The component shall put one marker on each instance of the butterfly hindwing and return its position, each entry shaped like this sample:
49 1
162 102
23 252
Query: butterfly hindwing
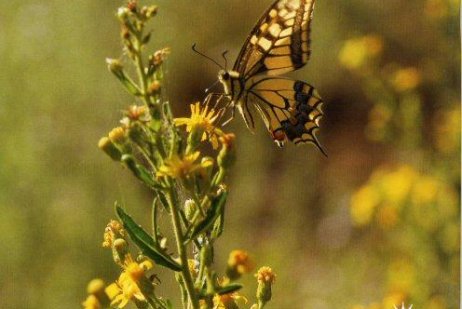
280 42
290 109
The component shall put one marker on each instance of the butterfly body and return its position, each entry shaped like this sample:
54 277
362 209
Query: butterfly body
279 43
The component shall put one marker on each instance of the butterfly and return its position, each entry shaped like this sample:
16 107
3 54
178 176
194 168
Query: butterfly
279 43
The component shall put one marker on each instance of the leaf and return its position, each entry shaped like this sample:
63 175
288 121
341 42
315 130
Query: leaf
219 225
230 288
213 213
145 242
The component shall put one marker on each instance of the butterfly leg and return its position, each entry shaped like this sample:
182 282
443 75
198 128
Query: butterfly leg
233 113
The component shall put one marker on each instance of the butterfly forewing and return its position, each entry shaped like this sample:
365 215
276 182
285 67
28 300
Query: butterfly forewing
280 42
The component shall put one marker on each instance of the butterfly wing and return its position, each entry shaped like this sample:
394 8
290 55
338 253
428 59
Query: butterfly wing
290 109
280 42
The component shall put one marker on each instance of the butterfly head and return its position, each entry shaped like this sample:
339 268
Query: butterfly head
227 78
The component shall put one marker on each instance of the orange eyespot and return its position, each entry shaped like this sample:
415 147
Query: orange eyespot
279 136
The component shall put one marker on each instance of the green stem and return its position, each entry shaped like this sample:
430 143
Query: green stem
188 281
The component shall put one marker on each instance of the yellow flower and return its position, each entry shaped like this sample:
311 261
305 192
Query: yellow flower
92 302
202 122
132 282
177 167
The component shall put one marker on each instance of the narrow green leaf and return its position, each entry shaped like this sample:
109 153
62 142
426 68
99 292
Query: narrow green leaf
145 242
230 288
212 215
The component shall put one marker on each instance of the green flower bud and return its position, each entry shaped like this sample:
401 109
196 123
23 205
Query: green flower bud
207 255
190 209
265 278
123 13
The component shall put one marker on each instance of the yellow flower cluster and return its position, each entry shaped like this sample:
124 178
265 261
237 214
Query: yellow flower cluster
428 199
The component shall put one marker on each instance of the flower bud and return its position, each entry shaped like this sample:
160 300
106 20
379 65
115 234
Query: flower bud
149 11
190 209
227 155
115 66
119 251
159 57
106 145
207 255
123 13
95 286
265 278
118 136
97 296
132 5
154 88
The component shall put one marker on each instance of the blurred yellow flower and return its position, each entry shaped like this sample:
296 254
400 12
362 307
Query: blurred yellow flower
363 203
92 302
355 52
132 282
177 167
406 79
396 184
447 134
239 263
202 120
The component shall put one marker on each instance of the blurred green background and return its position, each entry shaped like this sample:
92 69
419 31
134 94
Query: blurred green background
374 224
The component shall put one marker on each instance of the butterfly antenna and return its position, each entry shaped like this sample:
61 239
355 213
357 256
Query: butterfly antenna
205 56
226 60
